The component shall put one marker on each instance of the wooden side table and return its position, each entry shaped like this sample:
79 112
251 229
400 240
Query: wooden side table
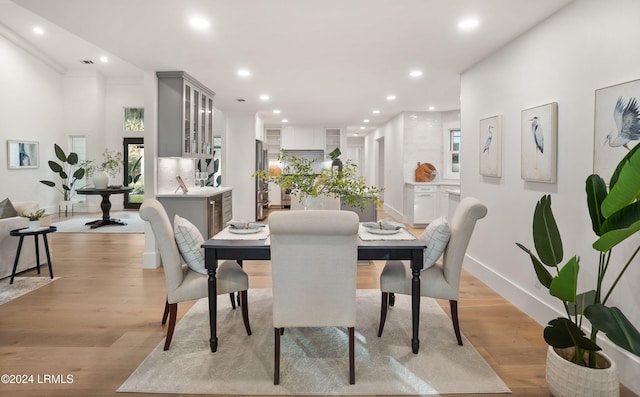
22 233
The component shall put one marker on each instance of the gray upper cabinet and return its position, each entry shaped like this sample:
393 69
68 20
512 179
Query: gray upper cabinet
185 116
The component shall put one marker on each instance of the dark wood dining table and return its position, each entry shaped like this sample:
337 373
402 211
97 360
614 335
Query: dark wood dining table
240 250
105 204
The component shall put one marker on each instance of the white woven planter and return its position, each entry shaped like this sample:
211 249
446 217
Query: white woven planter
565 378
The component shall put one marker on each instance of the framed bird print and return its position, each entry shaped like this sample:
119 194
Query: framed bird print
491 146
616 126
539 143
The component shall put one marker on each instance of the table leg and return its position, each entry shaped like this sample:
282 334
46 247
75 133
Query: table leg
35 236
105 205
15 263
46 250
211 260
415 309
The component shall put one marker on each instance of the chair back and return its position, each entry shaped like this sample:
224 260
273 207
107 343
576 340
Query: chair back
468 211
153 212
314 258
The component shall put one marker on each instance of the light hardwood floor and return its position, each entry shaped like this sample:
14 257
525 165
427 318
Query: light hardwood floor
101 318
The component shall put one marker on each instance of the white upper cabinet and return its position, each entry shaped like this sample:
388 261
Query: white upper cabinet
302 138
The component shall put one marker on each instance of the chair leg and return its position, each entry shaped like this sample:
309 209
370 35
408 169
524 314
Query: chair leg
276 357
454 319
166 312
173 313
352 361
245 311
383 312
233 301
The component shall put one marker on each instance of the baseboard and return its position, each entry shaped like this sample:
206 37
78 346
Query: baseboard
628 364
395 214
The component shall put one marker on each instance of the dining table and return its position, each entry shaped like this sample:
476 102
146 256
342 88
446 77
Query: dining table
223 247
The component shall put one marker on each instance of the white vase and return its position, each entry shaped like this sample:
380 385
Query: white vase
565 378
34 224
313 203
100 180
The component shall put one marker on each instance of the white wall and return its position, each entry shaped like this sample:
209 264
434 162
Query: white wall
239 158
565 59
30 109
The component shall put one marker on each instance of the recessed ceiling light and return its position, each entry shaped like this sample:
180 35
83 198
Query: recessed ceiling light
199 23
276 111
355 134
376 112
38 30
468 23
244 73
264 97
285 120
104 59
432 108
415 73
362 128
365 120
391 97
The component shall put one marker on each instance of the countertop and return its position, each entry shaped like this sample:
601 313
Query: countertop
196 192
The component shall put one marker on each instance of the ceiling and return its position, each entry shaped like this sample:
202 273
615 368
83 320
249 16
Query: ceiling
322 62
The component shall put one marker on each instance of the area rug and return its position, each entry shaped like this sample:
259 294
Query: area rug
20 286
315 360
134 224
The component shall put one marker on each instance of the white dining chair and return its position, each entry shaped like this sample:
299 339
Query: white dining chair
442 280
183 283
314 258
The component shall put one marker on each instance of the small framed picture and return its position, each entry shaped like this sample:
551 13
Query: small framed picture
181 184
491 146
539 143
133 119
23 154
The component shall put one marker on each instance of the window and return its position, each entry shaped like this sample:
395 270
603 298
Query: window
451 152
78 144
454 150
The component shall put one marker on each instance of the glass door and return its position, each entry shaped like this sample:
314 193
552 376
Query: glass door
134 172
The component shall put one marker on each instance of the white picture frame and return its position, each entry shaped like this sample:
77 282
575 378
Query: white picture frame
23 154
539 143
491 146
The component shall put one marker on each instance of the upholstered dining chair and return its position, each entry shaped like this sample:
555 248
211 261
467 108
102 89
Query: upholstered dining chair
183 283
314 258
440 280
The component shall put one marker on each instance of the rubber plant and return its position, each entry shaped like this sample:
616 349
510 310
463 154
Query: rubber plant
615 216
70 170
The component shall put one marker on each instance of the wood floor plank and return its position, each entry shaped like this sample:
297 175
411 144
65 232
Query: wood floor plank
102 318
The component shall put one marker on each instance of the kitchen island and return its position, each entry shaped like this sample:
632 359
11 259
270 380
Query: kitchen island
208 208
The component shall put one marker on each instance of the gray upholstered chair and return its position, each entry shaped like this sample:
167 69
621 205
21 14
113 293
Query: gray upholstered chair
184 284
441 281
314 257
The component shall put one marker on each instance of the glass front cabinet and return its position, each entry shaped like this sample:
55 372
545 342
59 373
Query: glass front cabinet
185 116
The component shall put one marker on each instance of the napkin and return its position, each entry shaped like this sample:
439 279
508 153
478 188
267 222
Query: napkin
386 224
244 225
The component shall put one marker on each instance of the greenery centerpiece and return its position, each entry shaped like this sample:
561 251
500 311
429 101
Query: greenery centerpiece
615 216
111 163
70 171
299 176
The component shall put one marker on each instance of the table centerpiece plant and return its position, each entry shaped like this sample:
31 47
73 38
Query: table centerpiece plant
299 176
109 167
615 216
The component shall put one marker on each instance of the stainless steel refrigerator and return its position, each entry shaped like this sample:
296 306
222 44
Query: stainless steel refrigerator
262 187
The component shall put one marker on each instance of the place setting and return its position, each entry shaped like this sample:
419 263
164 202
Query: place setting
384 229
243 230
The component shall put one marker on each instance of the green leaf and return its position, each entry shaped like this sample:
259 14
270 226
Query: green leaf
546 236
627 188
79 173
616 326
72 158
48 183
615 237
216 165
583 301
623 218
562 333
60 153
55 167
543 274
565 284
596 193
616 173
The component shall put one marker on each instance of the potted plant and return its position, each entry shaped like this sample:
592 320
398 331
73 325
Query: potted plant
70 171
299 176
109 167
34 218
615 216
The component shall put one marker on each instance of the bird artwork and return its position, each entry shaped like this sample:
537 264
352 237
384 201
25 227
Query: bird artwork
627 122
487 143
538 135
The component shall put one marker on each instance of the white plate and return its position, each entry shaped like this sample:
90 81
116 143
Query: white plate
244 231
383 231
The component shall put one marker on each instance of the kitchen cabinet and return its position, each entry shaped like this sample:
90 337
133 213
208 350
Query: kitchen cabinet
185 116
302 138
332 139
424 202
273 143
209 209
